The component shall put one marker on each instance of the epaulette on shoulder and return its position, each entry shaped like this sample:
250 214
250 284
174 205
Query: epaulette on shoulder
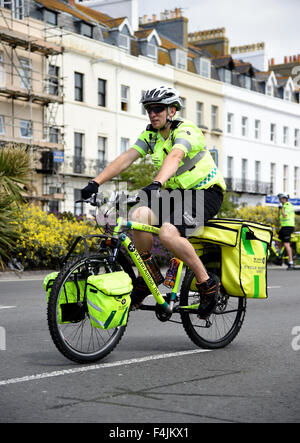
176 123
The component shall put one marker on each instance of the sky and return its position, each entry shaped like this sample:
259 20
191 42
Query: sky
275 22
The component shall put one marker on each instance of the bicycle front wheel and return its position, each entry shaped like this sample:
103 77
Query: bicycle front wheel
223 324
75 337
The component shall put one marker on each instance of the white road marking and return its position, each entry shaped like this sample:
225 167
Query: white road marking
99 366
6 307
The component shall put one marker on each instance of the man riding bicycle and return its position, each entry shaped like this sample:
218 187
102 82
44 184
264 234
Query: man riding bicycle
177 148
287 223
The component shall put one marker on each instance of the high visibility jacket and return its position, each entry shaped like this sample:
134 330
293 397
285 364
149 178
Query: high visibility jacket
197 169
289 220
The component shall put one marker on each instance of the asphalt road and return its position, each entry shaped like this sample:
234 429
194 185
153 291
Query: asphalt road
156 375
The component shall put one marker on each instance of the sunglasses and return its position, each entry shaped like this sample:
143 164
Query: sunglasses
156 109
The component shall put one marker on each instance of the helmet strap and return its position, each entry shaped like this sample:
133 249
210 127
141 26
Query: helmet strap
169 120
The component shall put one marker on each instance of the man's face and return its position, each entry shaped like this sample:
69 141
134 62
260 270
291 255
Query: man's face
158 115
283 200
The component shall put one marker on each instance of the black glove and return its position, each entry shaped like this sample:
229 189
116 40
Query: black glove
280 206
154 186
89 190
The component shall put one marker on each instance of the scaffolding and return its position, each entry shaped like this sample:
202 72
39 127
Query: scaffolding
31 94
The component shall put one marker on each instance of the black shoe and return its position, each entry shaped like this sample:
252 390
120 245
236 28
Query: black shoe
209 292
290 267
139 293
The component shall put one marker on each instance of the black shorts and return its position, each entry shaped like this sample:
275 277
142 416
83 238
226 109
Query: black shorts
285 233
187 210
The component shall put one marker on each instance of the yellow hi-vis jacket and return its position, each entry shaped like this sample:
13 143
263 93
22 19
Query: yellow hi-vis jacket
197 170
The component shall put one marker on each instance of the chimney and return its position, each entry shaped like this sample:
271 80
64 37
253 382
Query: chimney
272 62
298 58
154 17
285 60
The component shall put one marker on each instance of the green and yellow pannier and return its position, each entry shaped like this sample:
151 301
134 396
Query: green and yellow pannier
108 299
244 247
70 308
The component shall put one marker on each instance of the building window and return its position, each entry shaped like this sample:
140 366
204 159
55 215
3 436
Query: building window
53 135
124 41
199 114
101 92
273 177
25 128
2 70
78 86
214 117
50 17
181 59
143 110
152 51
229 167
230 118
2 128
297 138
285 135
78 149
25 73
205 67
273 133
245 81
124 144
257 129
124 98
285 178
257 172
244 172
86 29
296 180
101 152
53 75
225 75
78 207
244 126
182 112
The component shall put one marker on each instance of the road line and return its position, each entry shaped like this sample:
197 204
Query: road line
6 307
28 378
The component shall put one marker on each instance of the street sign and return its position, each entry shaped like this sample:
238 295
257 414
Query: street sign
58 156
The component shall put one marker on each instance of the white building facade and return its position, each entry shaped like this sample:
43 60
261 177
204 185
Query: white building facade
261 145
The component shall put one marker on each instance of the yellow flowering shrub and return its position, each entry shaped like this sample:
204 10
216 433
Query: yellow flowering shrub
267 215
44 239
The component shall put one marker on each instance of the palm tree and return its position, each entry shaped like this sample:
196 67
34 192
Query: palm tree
14 175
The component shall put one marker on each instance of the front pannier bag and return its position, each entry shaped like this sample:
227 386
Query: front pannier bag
71 308
244 246
108 299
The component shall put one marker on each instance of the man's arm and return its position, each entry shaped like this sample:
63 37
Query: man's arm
170 165
117 166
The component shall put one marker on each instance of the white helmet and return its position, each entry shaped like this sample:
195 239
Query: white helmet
162 95
283 195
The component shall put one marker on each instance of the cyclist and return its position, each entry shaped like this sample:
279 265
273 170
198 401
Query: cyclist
287 223
177 148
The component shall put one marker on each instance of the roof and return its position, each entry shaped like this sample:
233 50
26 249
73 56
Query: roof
60 6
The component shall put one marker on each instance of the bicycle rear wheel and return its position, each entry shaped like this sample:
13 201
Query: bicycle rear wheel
76 338
224 323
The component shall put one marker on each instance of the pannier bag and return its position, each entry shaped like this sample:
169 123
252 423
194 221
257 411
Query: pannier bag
108 299
244 247
295 238
71 308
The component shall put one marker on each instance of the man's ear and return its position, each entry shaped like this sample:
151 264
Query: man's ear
173 111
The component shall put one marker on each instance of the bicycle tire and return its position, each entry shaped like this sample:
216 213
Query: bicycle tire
223 324
79 341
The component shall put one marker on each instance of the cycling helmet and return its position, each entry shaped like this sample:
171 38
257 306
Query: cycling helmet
283 195
162 95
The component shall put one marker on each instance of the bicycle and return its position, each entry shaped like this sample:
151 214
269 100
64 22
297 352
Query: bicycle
278 256
80 342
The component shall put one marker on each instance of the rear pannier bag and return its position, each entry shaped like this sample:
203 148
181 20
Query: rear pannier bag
244 247
71 308
295 238
108 299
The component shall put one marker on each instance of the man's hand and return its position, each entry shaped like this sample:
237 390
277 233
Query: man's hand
89 190
154 187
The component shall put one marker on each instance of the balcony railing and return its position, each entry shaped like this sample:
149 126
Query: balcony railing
80 166
248 186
